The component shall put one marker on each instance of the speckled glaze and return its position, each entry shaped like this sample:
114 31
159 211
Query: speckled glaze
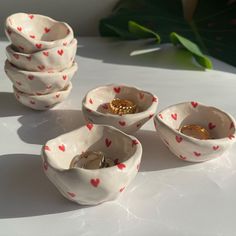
49 60
43 102
38 83
220 125
32 32
90 187
95 107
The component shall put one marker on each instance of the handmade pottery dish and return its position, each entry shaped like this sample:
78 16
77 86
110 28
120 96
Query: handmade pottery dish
53 59
216 124
33 32
96 103
39 83
43 102
86 186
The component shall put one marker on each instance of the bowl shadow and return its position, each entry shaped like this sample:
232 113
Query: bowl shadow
27 191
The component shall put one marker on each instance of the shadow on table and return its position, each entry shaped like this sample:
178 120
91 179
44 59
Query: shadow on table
45 125
156 156
143 53
27 191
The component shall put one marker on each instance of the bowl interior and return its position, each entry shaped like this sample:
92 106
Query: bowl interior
218 123
114 144
98 99
38 27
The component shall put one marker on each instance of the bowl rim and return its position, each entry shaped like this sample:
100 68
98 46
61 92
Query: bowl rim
138 152
154 105
8 26
191 139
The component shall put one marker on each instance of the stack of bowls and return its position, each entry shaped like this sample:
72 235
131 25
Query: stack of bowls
40 61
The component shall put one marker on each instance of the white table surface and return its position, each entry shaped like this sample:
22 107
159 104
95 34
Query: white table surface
168 196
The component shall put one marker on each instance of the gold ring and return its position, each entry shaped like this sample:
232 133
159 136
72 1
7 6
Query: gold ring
195 131
122 106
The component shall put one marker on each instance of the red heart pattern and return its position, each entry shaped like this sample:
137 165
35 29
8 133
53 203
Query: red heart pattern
174 116
194 104
95 182
178 139
46 30
30 77
117 89
161 116
64 77
122 123
47 148
60 52
9 31
19 28
134 142
42 67
90 101
216 147
182 157
38 45
211 126
31 16
58 95
197 154
46 54
121 166
32 36
29 58
108 142
150 116
122 189
62 147
231 136
90 126
154 99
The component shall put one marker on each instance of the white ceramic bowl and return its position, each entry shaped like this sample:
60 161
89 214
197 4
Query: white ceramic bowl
32 32
38 83
220 125
90 187
53 59
95 107
43 102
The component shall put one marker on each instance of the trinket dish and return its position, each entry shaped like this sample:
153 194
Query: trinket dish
96 104
219 125
42 102
86 186
39 83
51 60
32 32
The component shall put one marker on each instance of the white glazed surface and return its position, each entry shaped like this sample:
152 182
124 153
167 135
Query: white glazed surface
90 187
38 83
220 125
43 102
33 32
53 59
95 108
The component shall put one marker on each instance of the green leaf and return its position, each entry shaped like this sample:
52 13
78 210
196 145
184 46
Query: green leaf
142 32
120 32
193 48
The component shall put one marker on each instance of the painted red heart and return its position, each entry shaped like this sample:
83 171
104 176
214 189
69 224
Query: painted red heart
174 116
32 102
90 101
32 36
105 106
141 95
60 52
150 116
30 77
62 147
134 142
31 16
38 45
211 126
161 116
122 189
71 194
9 31
216 147
58 95
19 28
121 166
108 142
182 157
117 89
64 44
45 165
47 148
154 99
89 126
194 104
197 154
231 136
178 139
95 182
16 56
122 123
46 54
64 77
29 58
46 30
41 67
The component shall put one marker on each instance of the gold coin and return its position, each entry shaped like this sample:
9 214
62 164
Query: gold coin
195 131
122 106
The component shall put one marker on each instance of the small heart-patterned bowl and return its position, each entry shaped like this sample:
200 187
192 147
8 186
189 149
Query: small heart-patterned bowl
49 60
91 187
39 83
95 107
31 32
221 127
42 102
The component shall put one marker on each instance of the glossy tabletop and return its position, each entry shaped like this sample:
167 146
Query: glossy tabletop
168 196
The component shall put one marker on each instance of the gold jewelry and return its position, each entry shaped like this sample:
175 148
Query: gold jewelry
195 131
122 106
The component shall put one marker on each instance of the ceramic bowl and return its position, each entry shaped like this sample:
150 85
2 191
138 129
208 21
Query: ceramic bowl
90 187
53 59
95 107
220 125
39 83
31 32
42 102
